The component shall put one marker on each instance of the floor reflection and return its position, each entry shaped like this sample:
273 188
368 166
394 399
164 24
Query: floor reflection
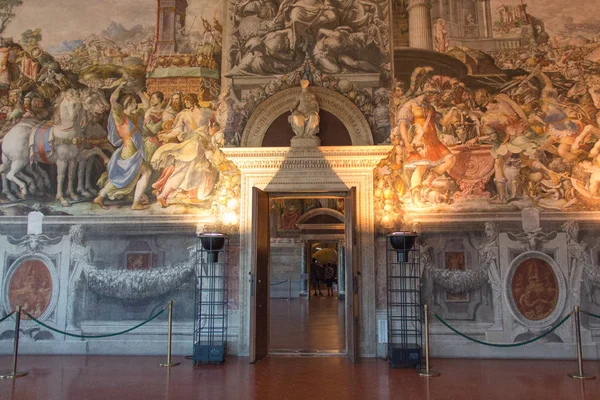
302 325
283 378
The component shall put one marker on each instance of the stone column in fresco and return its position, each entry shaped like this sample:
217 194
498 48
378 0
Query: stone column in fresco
171 18
420 30
487 10
304 269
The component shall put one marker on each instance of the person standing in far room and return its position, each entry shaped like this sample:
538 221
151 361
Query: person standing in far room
335 277
316 272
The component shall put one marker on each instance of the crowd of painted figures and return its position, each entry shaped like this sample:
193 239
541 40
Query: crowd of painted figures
273 37
534 138
180 140
76 109
167 147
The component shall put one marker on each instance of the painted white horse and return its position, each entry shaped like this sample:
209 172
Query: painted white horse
73 111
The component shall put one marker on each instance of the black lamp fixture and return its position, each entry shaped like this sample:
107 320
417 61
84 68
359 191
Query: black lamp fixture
213 243
402 242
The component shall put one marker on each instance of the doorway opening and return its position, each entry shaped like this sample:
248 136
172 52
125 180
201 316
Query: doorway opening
306 303
304 220
346 171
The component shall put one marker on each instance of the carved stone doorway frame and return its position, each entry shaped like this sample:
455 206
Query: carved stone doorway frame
311 170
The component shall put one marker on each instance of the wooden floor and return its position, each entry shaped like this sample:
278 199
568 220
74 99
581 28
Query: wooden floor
302 325
290 378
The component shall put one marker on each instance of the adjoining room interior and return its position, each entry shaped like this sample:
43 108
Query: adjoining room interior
307 302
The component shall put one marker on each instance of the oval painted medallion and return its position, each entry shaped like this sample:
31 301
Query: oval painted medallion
31 287
535 289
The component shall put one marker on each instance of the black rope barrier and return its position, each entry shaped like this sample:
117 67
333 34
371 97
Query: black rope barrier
6 317
585 312
562 321
95 336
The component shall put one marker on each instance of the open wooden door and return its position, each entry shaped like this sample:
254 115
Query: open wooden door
352 275
259 277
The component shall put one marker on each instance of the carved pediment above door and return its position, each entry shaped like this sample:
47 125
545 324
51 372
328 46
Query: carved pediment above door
282 102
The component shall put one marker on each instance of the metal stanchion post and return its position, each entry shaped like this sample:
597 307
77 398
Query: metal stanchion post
427 372
579 374
169 363
289 288
14 374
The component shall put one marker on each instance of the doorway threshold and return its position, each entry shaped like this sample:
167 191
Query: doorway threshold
307 353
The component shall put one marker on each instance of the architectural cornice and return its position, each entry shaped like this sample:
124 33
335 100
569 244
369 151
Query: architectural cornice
250 159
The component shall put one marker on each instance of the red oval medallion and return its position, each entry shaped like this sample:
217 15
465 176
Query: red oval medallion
31 287
535 289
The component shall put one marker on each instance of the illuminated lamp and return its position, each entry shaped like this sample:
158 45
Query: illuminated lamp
386 219
213 243
232 204
230 218
402 243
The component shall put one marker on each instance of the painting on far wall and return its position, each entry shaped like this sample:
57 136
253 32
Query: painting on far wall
123 105
125 114
121 112
511 121
285 213
341 37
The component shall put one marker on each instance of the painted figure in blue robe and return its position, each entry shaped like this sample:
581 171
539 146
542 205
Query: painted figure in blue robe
128 170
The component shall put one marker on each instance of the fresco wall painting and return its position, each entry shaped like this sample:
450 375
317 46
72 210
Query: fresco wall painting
492 108
126 91
516 132
520 129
